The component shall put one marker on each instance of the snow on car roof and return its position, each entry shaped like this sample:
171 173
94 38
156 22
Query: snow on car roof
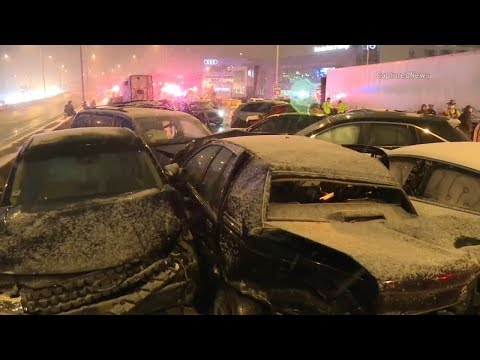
461 153
84 134
302 154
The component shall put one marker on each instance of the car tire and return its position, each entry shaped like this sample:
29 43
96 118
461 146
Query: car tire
228 301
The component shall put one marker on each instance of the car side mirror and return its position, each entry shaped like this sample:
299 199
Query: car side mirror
253 118
172 170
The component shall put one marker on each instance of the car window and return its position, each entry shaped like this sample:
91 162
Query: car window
426 137
455 187
82 120
98 120
253 107
401 168
446 131
281 109
277 124
78 176
345 135
216 176
195 168
390 135
167 129
298 123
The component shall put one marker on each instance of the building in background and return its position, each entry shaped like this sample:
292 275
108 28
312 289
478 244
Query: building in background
230 78
405 52
304 76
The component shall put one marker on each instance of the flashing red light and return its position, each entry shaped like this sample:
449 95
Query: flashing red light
446 277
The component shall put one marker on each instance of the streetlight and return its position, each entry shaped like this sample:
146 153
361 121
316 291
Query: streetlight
94 56
50 57
6 57
134 56
118 66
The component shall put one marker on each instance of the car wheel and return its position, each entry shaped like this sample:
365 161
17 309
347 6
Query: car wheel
229 302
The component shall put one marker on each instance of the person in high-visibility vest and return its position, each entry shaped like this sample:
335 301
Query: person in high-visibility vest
341 107
327 107
451 111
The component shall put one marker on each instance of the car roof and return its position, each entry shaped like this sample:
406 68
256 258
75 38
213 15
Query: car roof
92 135
366 115
274 102
300 154
460 153
134 112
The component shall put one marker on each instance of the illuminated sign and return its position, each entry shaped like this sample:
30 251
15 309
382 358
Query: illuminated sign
250 73
330 48
372 47
210 62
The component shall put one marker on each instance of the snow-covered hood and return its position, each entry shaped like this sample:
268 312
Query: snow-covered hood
87 236
386 253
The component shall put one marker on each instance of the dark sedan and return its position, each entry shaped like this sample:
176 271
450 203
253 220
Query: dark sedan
388 129
206 112
291 225
90 226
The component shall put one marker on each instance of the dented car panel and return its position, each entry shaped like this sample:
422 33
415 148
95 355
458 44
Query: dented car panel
329 245
125 249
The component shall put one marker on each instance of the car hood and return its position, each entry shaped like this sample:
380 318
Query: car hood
88 235
387 254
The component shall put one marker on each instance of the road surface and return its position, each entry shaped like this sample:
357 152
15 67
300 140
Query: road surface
24 119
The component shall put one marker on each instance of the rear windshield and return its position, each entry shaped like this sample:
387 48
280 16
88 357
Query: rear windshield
316 191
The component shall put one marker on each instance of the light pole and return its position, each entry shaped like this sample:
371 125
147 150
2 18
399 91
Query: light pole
276 65
81 73
43 70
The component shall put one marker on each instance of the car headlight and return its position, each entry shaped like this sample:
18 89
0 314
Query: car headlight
221 113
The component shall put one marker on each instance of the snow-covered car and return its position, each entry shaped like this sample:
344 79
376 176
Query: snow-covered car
165 131
90 226
442 174
291 225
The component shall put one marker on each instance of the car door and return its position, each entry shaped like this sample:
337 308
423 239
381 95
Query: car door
206 174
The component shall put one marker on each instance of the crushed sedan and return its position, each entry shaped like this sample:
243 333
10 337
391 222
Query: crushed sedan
291 225
90 226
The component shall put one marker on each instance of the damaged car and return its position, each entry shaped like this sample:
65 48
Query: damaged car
90 226
291 225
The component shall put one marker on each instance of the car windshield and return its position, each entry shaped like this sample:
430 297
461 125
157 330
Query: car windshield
201 106
176 129
83 175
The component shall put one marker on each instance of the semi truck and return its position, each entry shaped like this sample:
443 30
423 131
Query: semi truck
406 85
137 87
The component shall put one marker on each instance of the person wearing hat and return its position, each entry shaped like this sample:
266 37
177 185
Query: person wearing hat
466 125
423 110
430 110
451 112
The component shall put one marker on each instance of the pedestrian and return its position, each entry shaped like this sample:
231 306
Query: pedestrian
341 107
69 110
465 118
85 105
430 110
451 111
327 107
93 104
423 110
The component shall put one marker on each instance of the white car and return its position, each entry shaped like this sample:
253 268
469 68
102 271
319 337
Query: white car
444 174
